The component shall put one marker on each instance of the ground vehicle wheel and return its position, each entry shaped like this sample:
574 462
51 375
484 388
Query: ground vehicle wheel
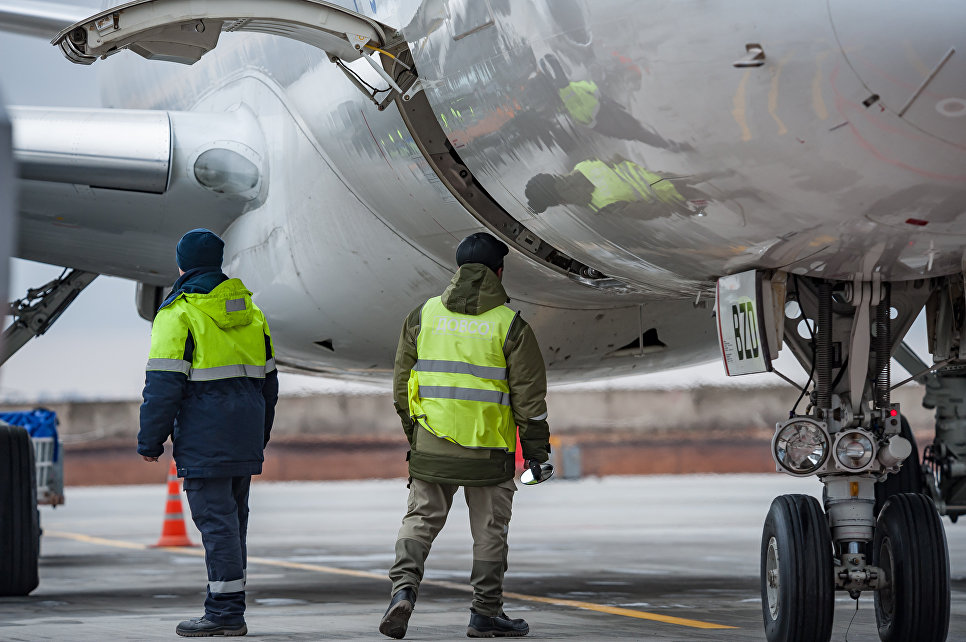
797 587
910 547
908 479
19 519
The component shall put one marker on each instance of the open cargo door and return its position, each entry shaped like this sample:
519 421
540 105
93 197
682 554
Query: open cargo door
184 30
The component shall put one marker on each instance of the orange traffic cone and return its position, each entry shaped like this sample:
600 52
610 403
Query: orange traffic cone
173 531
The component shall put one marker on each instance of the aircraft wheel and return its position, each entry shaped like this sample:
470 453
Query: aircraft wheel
797 587
910 547
909 479
19 518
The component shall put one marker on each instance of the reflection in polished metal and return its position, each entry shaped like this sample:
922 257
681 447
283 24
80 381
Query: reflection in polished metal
225 171
544 472
145 27
925 82
125 150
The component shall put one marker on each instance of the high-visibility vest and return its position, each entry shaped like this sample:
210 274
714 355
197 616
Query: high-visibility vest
580 100
648 183
229 336
609 187
458 388
626 182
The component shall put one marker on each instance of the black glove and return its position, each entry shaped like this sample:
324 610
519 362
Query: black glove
534 467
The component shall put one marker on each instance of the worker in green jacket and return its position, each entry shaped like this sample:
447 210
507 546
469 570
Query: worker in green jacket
468 374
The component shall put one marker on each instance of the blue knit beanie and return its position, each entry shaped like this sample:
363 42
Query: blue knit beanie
482 248
200 248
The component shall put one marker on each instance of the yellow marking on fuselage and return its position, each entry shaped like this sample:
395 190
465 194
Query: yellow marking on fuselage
739 106
318 568
773 95
818 102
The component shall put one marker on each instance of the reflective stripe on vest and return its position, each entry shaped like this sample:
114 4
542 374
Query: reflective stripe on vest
436 365
458 389
211 374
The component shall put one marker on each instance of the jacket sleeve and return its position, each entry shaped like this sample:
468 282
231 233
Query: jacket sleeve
405 360
527 378
165 381
270 387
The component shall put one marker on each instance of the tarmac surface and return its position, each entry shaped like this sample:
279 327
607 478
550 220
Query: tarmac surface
643 558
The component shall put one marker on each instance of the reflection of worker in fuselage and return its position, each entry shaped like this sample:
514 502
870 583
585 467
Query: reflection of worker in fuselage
587 106
605 187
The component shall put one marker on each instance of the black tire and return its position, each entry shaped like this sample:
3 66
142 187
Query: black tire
910 547
19 518
909 478
797 602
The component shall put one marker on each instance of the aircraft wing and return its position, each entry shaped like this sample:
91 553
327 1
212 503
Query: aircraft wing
110 191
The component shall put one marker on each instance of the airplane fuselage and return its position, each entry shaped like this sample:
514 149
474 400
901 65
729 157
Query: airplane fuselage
634 141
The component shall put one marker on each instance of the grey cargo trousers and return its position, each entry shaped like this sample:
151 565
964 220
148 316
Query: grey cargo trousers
429 504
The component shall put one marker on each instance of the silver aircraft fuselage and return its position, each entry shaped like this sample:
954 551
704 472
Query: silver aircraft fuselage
842 155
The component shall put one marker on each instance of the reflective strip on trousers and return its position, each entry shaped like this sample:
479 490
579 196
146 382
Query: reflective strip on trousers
169 365
231 586
539 417
460 367
464 394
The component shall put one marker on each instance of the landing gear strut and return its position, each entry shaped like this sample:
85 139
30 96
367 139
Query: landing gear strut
35 313
874 530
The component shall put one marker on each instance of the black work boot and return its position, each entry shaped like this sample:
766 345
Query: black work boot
396 620
484 626
199 627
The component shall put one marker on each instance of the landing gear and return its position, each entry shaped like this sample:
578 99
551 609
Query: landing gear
796 571
877 528
19 518
35 313
910 548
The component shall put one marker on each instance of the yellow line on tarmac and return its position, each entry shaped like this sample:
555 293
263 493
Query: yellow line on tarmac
773 95
588 606
616 610
818 102
739 105
89 539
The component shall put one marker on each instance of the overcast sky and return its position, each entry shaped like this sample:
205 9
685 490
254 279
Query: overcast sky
99 346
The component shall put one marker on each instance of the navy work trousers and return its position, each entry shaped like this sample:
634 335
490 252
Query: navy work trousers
219 508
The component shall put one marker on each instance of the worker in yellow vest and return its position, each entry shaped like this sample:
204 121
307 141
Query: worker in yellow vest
610 188
586 105
211 387
468 374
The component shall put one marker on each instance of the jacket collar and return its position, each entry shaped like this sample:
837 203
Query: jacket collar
199 280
